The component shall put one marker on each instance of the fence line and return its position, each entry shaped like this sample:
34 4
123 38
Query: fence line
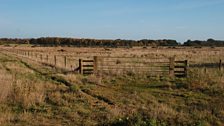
101 65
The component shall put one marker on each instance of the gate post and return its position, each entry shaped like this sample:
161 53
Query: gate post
185 67
80 66
171 68
65 61
95 65
220 64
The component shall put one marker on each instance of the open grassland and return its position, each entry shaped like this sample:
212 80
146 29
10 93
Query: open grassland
35 94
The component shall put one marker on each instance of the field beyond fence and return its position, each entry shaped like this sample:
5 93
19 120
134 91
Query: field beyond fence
112 65
116 85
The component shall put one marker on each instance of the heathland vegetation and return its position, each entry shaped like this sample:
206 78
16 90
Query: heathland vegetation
34 93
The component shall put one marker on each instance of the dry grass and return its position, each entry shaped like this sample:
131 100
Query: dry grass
6 81
29 96
28 93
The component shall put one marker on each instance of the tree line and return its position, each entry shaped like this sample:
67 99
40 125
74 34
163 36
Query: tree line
209 42
73 42
54 41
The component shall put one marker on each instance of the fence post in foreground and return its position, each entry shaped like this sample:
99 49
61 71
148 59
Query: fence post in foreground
55 60
220 64
185 67
95 65
65 61
80 66
171 69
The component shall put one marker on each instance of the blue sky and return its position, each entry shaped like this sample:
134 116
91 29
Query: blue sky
113 19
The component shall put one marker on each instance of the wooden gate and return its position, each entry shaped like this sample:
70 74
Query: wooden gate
86 66
101 65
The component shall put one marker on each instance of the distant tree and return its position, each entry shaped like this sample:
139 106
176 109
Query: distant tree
210 40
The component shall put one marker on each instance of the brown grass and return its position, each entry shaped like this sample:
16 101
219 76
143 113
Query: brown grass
28 96
6 81
28 93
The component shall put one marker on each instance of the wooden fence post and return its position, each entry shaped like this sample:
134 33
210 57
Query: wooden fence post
55 60
80 66
171 69
186 67
220 64
65 61
101 66
95 65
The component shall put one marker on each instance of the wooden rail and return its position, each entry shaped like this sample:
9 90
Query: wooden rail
100 65
86 66
180 69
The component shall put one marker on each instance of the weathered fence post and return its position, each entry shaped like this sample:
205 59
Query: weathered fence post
101 66
95 65
65 61
80 66
220 64
55 60
37 55
171 69
185 67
